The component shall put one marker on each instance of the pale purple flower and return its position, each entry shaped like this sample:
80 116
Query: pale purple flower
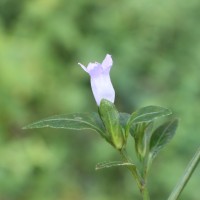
100 79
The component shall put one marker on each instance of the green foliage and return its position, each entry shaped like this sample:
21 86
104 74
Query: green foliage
113 164
123 118
162 135
140 125
148 114
78 121
147 144
155 48
141 133
111 120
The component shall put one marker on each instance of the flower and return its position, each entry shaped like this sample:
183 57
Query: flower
100 79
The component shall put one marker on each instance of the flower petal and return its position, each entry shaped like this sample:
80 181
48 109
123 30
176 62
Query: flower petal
107 62
84 68
102 88
100 79
94 69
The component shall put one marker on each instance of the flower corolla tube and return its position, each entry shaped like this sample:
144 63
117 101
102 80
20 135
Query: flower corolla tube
102 87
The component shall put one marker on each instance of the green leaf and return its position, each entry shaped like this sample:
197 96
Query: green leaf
113 164
141 133
111 120
78 121
145 115
149 113
162 135
123 118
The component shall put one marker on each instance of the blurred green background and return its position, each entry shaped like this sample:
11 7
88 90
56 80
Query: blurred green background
155 46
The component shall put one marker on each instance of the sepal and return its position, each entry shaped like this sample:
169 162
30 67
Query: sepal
111 121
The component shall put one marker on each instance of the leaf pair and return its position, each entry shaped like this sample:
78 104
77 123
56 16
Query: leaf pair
140 125
115 127
108 123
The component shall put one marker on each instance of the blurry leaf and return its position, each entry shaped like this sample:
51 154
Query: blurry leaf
141 133
144 115
162 135
123 118
149 113
113 164
110 118
76 121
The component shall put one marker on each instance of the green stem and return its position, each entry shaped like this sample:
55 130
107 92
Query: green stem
132 169
145 193
185 178
141 182
144 190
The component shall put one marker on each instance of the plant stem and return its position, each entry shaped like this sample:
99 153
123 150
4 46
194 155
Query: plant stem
141 182
131 168
145 193
144 190
185 178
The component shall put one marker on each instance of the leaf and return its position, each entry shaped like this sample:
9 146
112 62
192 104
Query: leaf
145 115
148 113
110 118
141 133
78 121
162 135
113 164
123 118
